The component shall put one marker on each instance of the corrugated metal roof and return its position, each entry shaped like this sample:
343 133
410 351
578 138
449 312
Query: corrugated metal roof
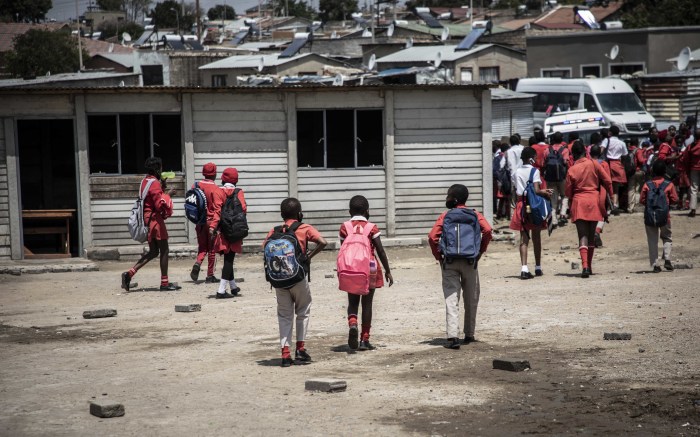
63 77
456 30
504 94
125 59
428 53
252 61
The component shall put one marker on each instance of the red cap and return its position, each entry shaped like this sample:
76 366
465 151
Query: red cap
230 176
209 170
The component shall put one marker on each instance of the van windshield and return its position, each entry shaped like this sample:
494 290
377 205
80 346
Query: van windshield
620 102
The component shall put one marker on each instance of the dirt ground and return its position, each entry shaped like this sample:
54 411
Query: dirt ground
216 372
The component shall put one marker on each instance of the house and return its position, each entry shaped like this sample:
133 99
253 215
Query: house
570 17
604 53
482 63
81 151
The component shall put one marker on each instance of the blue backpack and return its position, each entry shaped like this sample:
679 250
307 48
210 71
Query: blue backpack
196 205
285 262
461 234
540 208
656 209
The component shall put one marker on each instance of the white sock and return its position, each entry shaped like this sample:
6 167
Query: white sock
524 269
538 267
222 286
233 284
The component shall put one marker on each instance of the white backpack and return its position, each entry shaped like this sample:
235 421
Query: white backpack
137 227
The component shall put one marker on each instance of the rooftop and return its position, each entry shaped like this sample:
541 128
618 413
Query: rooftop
428 53
562 17
8 31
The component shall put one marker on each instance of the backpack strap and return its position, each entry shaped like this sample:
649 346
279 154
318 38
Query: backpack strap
293 227
146 188
349 228
664 185
532 175
367 230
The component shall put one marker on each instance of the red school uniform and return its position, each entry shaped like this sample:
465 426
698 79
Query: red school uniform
436 233
670 191
304 234
209 188
221 244
542 151
157 206
584 181
376 279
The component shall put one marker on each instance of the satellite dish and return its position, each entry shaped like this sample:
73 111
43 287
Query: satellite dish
338 80
334 35
261 64
366 33
438 59
445 34
221 39
121 83
372 62
614 51
390 30
126 37
683 59
409 42
111 47
48 74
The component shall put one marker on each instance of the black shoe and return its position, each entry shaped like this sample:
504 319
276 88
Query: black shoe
352 337
194 274
170 287
235 291
224 295
126 281
526 275
301 357
691 213
538 272
468 339
657 269
211 280
287 362
597 240
366 346
668 266
452 343
586 273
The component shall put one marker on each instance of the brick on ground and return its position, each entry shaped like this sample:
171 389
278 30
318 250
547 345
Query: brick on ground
188 308
511 364
617 336
98 314
325 384
105 408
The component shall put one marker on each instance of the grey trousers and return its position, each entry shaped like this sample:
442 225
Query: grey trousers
460 275
634 187
560 203
653 234
694 184
291 301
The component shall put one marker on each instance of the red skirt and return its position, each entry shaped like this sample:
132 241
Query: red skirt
516 220
157 229
617 171
588 206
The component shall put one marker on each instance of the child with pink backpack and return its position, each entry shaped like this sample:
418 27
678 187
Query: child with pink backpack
358 272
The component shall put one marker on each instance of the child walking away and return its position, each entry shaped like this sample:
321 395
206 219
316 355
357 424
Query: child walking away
615 150
604 195
358 272
521 220
583 182
199 208
228 209
458 239
286 269
657 196
157 206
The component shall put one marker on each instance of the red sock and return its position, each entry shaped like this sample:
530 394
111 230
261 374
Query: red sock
365 333
583 250
352 319
300 345
132 272
285 352
164 281
590 256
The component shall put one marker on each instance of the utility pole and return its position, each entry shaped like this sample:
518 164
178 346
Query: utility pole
471 14
372 4
199 26
80 43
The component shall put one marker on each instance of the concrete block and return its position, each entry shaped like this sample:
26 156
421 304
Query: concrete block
103 254
617 336
566 247
510 364
325 385
575 265
329 276
188 308
105 408
98 314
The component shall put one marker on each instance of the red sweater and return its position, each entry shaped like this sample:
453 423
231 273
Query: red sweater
436 232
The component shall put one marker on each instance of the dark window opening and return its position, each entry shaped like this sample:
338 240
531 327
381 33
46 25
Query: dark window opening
103 144
370 138
619 70
556 73
590 70
218 80
134 131
152 74
311 150
167 140
340 139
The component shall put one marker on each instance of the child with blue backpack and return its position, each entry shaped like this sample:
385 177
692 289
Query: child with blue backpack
370 238
657 196
458 239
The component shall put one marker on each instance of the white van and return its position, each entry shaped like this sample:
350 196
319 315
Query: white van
613 98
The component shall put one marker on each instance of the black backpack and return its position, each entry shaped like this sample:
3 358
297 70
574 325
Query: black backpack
285 262
629 163
656 209
554 166
233 224
502 175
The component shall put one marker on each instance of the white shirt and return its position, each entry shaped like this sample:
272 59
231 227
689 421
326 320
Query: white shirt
513 158
522 175
616 148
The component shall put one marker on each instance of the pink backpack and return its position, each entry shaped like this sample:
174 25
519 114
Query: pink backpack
354 258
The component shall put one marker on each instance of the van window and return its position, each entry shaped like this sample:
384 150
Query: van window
620 102
556 101
589 103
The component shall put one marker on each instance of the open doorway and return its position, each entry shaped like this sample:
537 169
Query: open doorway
49 188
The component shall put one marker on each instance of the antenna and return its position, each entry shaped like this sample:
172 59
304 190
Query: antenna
338 80
437 60
372 62
683 59
390 30
409 42
445 34
261 64
126 37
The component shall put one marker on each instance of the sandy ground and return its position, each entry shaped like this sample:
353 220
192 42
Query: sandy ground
216 372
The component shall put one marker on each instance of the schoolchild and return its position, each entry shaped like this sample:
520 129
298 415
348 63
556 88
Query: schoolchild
542 149
517 222
662 230
604 195
634 185
205 244
692 165
584 180
503 193
460 273
221 245
559 201
359 216
157 206
513 162
296 300
615 150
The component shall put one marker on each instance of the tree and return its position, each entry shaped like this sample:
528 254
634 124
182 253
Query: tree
40 51
658 13
114 28
296 9
31 11
221 12
169 14
336 10
110 5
